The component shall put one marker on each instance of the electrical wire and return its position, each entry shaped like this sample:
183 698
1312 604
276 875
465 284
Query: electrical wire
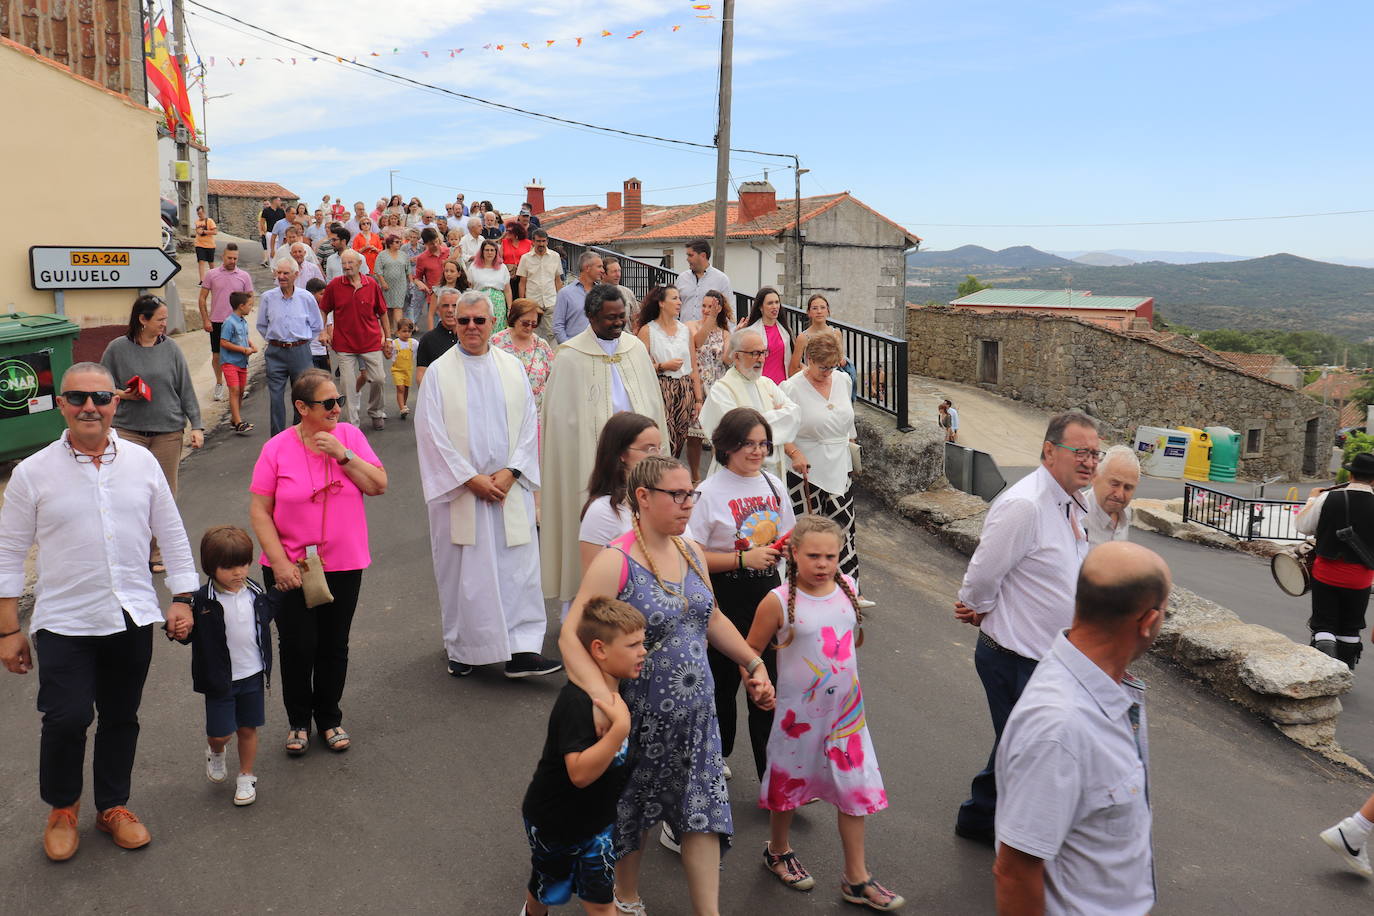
595 196
477 100
1158 222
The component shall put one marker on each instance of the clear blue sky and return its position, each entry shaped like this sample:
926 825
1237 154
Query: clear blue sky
979 112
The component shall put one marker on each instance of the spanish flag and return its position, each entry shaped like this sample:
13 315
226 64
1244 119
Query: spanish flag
166 76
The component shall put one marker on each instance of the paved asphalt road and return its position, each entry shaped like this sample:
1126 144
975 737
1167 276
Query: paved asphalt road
423 814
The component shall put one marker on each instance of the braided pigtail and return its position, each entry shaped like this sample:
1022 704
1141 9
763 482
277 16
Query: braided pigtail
791 601
649 557
843 583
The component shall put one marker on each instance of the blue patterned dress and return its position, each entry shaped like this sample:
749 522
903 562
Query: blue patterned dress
678 773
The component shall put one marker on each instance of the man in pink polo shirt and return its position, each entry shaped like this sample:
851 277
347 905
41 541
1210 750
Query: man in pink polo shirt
361 336
219 282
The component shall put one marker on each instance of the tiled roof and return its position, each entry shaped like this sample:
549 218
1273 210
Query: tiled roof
1258 363
1338 386
594 225
262 190
1352 414
1052 299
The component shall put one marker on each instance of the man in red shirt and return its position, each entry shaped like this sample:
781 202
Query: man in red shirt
429 266
361 335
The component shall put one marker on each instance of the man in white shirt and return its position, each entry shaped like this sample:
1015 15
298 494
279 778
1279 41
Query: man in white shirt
540 272
90 501
745 385
699 279
1073 821
1343 569
471 242
1109 498
1020 583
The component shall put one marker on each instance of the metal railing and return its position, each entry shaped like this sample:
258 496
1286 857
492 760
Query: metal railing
879 360
1244 518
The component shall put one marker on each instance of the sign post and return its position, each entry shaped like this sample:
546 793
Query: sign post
99 267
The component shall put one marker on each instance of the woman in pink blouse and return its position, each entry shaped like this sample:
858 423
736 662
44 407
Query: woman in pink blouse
307 499
764 316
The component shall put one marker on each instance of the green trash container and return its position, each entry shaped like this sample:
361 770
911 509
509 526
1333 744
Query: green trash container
1225 452
34 352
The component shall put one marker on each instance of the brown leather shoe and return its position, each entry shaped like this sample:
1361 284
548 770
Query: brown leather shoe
120 823
60 838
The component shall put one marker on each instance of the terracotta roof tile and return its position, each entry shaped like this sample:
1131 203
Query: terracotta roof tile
1352 414
1338 386
1260 363
263 190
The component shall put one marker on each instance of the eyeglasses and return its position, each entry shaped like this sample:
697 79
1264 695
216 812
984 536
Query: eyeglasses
753 354
528 323
329 403
334 487
646 449
749 444
105 457
679 496
78 398
473 319
825 369
1082 454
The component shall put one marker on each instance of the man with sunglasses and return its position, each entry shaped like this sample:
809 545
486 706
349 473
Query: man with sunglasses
1020 583
91 502
745 385
476 434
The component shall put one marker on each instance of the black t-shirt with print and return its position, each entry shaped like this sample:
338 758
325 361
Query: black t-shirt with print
552 803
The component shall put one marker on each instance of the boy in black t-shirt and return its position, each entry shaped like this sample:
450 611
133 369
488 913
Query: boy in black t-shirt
569 808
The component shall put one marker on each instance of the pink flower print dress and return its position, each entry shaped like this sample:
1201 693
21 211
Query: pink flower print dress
820 747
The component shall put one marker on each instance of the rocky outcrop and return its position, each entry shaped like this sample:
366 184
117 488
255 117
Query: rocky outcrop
897 463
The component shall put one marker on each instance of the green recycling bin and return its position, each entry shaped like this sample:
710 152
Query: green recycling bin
34 352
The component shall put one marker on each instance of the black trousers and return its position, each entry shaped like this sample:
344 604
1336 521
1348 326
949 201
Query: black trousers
313 644
1340 612
78 678
1004 676
738 599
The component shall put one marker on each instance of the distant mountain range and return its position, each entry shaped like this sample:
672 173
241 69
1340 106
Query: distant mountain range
1280 291
1138 256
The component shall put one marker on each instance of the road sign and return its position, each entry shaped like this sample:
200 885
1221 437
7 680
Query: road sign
99 267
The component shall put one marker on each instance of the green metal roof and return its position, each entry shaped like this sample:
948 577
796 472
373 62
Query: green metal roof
1052 299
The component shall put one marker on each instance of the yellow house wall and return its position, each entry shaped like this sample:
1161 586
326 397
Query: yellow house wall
87 158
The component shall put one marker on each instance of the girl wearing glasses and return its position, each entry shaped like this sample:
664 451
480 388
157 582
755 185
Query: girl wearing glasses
743 510
307 500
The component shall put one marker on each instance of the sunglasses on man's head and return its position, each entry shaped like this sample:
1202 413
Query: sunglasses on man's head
78 398
473 319
329 403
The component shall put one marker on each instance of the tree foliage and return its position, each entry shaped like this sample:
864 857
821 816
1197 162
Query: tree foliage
1354 444
1302 348
970 286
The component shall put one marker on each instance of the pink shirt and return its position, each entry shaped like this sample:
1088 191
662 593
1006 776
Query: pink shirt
290 474
221 283
775 363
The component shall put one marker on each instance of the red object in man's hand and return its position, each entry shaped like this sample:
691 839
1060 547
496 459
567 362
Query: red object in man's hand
781 542
743 544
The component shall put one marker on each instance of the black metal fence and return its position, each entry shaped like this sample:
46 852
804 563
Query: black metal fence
1244 518
879 360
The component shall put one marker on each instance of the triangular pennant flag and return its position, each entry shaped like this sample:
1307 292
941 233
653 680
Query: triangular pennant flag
676 27
635 34
525 45
425 53
500 47
605 34
579 42
548 42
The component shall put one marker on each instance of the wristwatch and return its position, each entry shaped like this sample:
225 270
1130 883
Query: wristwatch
182 599
515 472
348 456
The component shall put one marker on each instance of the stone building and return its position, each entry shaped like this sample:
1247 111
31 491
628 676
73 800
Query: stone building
1124 313
235 205
1273 366
850 252
1125 379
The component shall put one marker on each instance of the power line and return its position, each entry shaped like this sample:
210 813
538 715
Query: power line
477 100
1160 222
449 187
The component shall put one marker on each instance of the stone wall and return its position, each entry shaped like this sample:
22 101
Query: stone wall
1124 381
239 215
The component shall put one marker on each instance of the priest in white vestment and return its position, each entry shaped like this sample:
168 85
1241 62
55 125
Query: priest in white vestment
745 385
476 433
597 373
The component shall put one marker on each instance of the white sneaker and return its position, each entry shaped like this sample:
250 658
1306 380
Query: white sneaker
866 604
667 841
219 391
1357 859
214 766
247 791
635 908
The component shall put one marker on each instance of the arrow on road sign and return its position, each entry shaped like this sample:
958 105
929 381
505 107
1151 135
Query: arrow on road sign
100 267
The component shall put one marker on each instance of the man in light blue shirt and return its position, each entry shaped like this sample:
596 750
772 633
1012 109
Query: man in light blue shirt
699 279
289 319
569 316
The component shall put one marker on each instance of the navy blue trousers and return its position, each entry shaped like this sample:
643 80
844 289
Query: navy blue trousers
1004 676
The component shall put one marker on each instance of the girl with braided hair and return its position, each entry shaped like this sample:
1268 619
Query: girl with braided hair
677 774
820 747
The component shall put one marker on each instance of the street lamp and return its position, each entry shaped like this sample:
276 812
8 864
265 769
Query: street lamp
798 172
391 182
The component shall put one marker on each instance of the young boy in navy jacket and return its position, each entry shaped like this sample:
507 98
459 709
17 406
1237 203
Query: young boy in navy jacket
231 654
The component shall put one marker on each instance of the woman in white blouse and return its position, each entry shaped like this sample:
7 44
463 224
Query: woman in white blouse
819 479
669 343
490 276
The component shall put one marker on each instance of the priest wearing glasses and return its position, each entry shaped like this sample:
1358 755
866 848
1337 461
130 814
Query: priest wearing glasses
91 502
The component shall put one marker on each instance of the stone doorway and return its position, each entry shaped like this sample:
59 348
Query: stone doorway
990 362
1311 449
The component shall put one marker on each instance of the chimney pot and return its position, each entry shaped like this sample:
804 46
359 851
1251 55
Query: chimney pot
634 205
534 196
756 199
612 201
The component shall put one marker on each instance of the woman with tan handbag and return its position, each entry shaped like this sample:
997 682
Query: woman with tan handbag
822 455
307 512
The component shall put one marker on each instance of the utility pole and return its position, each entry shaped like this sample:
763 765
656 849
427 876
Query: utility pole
182 135
391 183
727 51
798 172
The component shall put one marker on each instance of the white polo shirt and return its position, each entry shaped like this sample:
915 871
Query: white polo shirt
240 631
1073 786
1025 571
1099 524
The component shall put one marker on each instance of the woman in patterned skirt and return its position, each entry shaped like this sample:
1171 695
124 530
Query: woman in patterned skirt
678 773
708 337
669 343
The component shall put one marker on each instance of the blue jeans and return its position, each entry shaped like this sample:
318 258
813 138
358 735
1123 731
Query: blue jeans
1004 677
284 364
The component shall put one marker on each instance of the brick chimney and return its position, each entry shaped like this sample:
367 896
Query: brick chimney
756 198
534 196
634 205
612 201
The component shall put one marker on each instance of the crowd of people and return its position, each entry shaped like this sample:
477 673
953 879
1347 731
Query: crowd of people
574 473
